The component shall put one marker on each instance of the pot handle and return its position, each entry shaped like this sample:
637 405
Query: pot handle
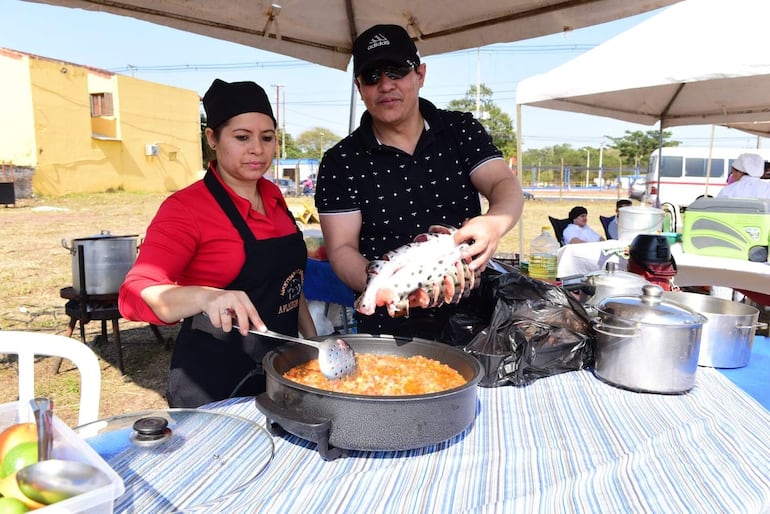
759 324
598 325
64 244
314 430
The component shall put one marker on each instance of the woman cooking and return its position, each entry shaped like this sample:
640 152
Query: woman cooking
223 251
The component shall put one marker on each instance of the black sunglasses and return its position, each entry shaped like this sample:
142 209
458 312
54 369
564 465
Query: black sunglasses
373 76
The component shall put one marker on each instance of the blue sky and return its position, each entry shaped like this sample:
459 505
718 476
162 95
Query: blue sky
316 96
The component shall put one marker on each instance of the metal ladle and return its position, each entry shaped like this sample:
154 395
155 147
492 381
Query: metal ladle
335 357
51 480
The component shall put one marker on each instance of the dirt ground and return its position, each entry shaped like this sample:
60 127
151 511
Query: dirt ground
141 387
34 267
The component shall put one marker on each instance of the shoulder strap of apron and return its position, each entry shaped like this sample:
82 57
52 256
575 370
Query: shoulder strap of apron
224 201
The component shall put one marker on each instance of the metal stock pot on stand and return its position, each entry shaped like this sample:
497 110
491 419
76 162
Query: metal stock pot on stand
100 262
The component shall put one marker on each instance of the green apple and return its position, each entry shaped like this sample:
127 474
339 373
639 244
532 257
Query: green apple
10 505
15 434
20 456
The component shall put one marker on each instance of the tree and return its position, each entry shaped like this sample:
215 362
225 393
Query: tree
498 124
288 146
206 151
314 142
635 147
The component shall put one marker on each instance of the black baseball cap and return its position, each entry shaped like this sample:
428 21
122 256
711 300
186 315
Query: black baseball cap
384 43
223 100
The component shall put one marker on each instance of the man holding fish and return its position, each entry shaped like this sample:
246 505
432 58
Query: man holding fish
407 169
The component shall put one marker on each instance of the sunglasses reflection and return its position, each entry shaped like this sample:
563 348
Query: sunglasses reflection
373 76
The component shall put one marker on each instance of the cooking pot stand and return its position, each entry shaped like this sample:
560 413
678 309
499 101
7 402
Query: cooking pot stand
537 330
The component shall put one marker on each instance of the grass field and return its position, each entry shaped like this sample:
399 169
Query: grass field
34 266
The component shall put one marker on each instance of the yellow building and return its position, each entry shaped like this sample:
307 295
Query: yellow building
69 128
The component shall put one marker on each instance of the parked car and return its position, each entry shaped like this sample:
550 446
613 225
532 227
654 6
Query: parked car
287 186
638 189
528 195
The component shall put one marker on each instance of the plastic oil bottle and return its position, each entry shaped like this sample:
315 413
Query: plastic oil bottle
542 256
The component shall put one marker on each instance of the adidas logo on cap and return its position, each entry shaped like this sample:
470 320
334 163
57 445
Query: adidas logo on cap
377 40
383 42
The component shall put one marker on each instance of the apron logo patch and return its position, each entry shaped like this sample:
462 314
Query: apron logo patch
290 291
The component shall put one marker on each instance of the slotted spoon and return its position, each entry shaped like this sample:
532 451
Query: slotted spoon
335 357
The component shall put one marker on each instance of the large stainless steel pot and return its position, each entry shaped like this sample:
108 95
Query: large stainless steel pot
728 336
612 282
102 261
338 421
647 344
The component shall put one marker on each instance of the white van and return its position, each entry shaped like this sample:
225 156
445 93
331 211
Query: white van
688 173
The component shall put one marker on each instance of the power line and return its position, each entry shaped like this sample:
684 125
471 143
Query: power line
174 68
297 63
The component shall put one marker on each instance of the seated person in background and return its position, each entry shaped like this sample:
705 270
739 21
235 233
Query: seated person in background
578 231
744 182
612 228
745 178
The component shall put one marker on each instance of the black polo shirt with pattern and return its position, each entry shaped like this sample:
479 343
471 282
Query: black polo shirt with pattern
401 195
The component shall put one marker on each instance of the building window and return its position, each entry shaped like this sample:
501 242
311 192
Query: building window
101 104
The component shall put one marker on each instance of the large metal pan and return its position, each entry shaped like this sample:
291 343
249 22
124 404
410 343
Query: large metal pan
728 336
337 421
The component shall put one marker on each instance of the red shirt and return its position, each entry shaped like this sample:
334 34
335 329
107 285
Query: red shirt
191 241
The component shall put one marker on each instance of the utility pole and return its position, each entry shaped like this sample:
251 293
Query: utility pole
478 83
601 168
283 126
277 126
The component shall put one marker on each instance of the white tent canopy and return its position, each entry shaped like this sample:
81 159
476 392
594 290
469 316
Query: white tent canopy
697 62
322 31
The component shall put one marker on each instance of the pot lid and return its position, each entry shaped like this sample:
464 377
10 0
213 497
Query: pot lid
616 278
649 308
177 459
104 234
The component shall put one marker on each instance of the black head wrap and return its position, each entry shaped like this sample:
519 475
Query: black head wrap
224 100
577 211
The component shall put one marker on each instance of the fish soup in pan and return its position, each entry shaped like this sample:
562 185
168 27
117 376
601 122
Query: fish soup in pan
383 375
339 422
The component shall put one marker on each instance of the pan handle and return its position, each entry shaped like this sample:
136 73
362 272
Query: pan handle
598 325
312 429
759 324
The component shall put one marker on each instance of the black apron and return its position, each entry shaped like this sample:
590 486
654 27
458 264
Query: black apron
208 367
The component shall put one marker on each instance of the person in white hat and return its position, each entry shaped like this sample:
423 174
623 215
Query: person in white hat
745 178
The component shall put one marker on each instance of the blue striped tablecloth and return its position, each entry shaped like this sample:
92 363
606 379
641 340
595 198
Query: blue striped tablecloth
567 443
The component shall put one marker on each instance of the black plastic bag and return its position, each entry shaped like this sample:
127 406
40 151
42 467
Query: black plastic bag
537 330
473 314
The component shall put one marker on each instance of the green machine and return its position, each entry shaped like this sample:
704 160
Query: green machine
736 228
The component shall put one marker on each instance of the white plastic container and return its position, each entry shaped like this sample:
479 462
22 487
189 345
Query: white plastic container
543 256
633 221
67 445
